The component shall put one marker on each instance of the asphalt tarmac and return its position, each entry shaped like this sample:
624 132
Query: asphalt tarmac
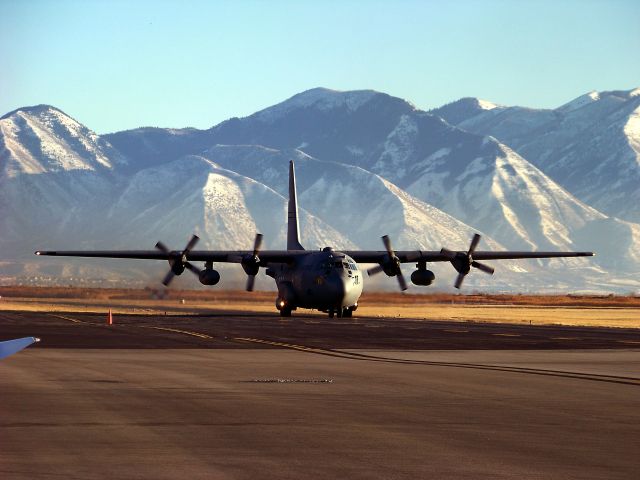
253 396
232 329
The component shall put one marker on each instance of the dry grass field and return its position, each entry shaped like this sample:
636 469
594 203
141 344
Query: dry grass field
608 311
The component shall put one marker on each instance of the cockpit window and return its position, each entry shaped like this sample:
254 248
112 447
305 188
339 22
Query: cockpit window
338 264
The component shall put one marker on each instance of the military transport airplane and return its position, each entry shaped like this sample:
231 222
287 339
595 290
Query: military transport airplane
324 280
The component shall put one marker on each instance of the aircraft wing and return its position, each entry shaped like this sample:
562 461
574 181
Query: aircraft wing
10 347
480 255
288 256
409 256
219 256
389 260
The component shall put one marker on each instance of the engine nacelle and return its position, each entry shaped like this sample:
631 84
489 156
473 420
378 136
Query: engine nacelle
209 277
422 277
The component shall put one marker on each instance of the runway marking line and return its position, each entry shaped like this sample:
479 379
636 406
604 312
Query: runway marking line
280 344
74 320
456 331
631 342
176 330
565 338
506 334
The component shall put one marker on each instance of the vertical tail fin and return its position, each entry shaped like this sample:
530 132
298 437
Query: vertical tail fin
293 232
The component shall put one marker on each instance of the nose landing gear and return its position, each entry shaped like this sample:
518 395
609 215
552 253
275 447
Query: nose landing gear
284 308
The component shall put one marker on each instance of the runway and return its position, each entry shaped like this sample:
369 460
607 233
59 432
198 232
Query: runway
224 329
253 396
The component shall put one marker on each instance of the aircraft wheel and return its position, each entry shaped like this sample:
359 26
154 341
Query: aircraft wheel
347 313
285 312
330 313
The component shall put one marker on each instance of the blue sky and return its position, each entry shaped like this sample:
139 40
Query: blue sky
116 64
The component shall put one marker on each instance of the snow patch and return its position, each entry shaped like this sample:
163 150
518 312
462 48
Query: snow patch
485 105
321 98
580 102
399 145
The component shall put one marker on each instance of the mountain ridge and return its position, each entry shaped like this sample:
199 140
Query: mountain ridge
590 145
368 163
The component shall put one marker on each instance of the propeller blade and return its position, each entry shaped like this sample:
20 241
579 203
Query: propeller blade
447 253
387 244
375 270
251 280
257 244
392 258
191 244
168 278
162 247
483 267
401 281
459 280
193 268
474 243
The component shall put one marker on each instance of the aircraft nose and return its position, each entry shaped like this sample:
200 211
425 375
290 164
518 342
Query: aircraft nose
341 286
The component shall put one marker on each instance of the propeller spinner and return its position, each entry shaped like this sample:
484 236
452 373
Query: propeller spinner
463 262
391 266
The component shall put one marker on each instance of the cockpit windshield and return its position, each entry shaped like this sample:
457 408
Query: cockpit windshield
338 265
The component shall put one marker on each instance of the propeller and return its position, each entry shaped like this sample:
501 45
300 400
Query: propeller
178 260
391 266
251 263
463 262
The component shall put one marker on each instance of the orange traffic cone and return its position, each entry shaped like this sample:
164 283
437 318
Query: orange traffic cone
110 318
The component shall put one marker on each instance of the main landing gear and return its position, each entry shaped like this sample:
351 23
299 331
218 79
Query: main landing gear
342 312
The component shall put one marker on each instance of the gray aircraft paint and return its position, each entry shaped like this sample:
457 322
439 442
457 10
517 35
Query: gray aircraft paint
293 230
327 280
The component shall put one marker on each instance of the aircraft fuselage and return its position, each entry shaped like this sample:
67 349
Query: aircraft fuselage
327 280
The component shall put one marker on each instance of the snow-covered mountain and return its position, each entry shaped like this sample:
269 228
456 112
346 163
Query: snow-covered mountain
501 193
471 177
590 145
54 172
367 164
345 127
226 209
351 199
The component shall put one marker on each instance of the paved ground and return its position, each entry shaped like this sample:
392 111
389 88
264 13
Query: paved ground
256 397
223 330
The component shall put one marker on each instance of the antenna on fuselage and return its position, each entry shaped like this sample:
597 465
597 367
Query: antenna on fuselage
293 232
